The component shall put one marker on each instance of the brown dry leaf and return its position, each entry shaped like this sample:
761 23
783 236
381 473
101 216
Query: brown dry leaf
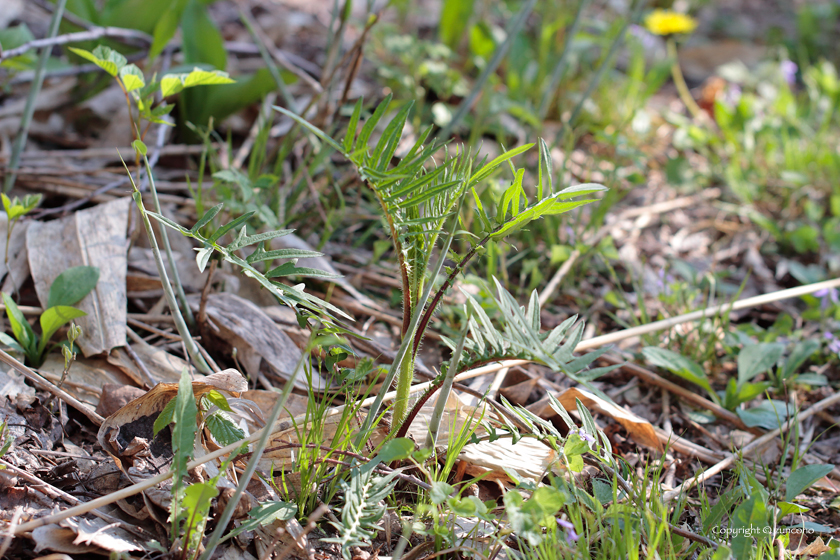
93 237
127 435
59 539
639 429
13 384
86 377
165 367
244 326
110 537
18 269
816 548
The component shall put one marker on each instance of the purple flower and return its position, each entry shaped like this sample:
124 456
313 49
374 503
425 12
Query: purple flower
571 535
833 342
827 297
788 69
570 233
645 37
583 435
732 95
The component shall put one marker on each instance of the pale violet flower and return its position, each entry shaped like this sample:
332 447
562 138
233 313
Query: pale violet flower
571 535
833 342
788 69
828 296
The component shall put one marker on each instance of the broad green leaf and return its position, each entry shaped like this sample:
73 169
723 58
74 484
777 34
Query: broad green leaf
199 77
464 507
106 58
224 431
801 352
545 501
769 414
395 450
139 146
678 365
580 190
750 518
72 285
53 319
164 418
132 78
170 84
183 433
202 42
440 492
20 327
11 343
454 17
803 478
755 359
216 398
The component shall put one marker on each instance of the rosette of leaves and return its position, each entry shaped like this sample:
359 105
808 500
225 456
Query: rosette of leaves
421 202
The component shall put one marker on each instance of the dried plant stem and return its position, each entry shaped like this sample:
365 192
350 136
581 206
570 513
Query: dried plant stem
180 325
130 35
750 447
29 109
45 385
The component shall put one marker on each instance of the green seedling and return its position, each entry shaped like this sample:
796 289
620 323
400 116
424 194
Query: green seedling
142 92
70 287
16 209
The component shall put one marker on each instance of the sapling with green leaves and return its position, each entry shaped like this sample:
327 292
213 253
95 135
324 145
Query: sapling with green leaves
136 88
70 287
421 201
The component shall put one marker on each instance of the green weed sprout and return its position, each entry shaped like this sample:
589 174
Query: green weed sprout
70 287
422 203
68 350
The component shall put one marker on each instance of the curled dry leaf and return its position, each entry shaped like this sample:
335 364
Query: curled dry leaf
92 237
639 429
128 434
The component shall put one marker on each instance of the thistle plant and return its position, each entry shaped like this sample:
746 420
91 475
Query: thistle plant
421 201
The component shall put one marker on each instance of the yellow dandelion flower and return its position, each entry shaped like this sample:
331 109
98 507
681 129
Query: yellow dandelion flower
666 22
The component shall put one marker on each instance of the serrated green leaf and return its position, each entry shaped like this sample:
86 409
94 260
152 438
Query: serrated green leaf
132 78
370 124
224 431
106 58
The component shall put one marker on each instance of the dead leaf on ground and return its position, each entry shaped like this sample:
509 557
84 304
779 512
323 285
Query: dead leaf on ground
86 377
128 435
18 270
244 326
93 237
639 429
164 367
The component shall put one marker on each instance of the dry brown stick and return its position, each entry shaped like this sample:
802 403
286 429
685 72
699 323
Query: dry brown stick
753 445
150 380
51 492
682 392
48 386
593 240
146 327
